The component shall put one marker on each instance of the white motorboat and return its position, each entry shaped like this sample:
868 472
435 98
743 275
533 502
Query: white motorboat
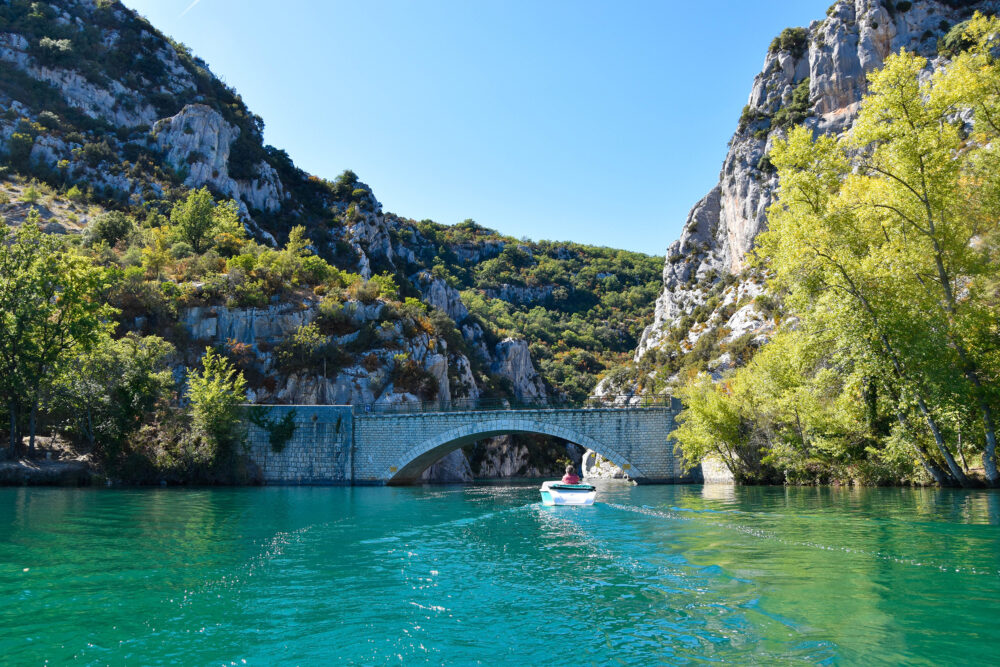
557 493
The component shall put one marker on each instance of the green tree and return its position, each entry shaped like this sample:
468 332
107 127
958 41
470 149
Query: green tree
889 230
216 393
107 392
820 250
50 307
712 425
110 227
192 218
197 219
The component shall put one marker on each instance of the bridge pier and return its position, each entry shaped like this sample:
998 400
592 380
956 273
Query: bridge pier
331 444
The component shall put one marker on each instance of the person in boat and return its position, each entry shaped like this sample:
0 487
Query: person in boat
570 476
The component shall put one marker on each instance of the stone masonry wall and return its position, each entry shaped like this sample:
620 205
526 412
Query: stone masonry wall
319 451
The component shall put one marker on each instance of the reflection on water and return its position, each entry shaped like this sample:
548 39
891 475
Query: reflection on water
724 492
486 574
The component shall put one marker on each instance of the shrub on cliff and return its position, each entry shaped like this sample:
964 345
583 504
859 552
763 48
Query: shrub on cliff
793 40
300 350
955 40
796 109
410 376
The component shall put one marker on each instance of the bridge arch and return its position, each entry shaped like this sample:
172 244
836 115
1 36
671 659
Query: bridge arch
408 467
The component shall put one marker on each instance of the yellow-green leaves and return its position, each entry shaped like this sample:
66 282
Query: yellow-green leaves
889 234
216 392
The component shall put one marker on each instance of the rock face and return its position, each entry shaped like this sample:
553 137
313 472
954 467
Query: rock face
513 361
715 471
122 105
452 468
98 102
831 59
518 294
505 458
198 139
367 381
509 456
595 466
367 231
439 294
250 326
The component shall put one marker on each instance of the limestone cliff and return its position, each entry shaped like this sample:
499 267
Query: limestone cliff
814 76
198 140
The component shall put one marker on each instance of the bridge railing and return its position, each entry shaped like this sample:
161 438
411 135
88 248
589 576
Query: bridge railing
494 404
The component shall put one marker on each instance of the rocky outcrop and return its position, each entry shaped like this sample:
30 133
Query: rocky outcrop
474 253
831 59
595 466
353 385
436 364
439 294
519 294
46 473
250 326
197 140
368 233
98 102
714 471
513 361
505 458
463 385
509 456
369 381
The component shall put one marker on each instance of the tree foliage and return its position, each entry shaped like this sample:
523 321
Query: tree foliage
197 219
107 393
50 307
216 393
885 244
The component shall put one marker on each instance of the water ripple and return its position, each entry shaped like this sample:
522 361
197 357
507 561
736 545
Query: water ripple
486 574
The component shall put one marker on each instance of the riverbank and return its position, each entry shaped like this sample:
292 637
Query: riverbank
59 463
55 463
27 472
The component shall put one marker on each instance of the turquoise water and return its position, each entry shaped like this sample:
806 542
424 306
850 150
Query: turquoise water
485 574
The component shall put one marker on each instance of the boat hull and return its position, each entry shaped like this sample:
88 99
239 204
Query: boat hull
556 493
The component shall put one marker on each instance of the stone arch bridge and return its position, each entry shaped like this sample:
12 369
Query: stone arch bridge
333 444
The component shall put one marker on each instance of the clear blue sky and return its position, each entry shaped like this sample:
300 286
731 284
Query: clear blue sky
597 122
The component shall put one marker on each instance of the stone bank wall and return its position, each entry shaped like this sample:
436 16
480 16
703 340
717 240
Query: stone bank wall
319 451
